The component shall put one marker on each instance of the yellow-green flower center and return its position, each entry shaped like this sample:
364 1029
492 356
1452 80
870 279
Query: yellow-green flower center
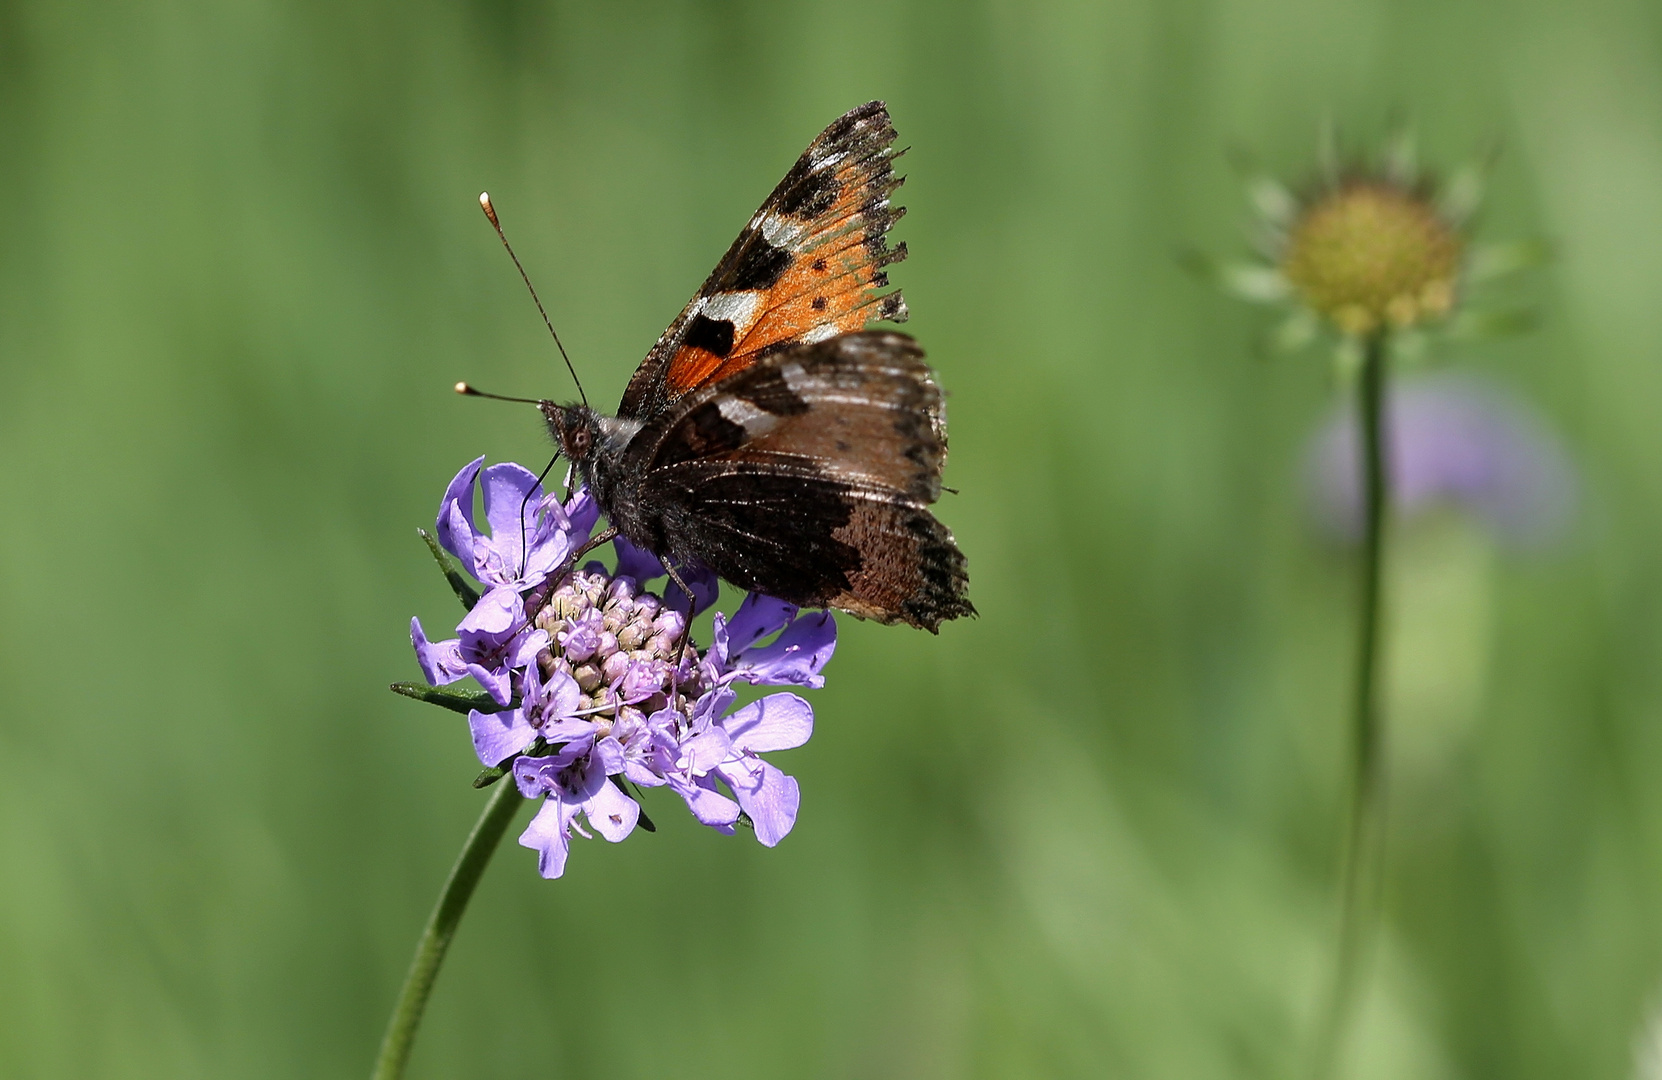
1370 255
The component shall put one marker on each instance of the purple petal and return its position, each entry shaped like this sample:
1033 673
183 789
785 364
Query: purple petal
640 773
455 527
569 730
497 736
708 805
608 757
757 617
549 835
583 639
705 586
526 647
506 487
441 662
563 696
776 722
642 678
533 776
612 813
795 658
769 796
569 754
548 551
701 753
498 682
635 562
710 706
496 612
583 513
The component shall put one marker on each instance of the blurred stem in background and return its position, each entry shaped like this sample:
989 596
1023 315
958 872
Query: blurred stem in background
441 926
1359 884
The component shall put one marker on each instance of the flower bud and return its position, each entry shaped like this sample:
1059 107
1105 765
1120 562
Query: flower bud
633 635
615 667
670 624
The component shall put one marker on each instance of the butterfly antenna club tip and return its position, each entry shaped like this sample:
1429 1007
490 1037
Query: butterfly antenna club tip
469 390
490 212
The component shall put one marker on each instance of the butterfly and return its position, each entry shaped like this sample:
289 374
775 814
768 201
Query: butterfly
768 435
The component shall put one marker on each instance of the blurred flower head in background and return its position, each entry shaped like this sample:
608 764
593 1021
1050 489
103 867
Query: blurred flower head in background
1372 246
1452 440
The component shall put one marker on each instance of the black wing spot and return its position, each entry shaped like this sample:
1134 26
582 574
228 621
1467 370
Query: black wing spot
819 266
761 268
711 335
819 303
812 196
704 432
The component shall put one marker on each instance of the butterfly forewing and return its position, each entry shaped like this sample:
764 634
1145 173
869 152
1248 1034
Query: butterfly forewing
807 266
768 436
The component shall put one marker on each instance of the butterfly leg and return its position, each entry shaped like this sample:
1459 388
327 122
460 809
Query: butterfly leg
570 563
686 635
605 536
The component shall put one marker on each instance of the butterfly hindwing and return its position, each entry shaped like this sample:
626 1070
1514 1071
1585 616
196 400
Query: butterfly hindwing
808 265
807 476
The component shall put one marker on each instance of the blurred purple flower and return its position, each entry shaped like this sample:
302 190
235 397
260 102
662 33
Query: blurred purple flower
607 693
1451 439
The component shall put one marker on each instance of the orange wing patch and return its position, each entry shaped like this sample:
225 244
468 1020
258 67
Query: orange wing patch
808 266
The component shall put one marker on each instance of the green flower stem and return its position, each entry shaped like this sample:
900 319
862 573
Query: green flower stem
441 927
1364 847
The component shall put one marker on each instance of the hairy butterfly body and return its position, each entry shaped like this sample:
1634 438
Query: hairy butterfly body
771 438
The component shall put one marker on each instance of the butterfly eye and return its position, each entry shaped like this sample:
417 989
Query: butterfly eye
579 437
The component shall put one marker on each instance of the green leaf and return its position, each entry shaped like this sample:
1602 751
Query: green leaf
465 592
462 701
488 777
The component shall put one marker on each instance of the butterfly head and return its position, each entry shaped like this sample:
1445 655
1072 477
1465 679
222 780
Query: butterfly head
590 440
574 428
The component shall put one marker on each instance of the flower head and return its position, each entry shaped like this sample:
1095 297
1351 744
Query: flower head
1370 253
600 687
1451 440
1370 247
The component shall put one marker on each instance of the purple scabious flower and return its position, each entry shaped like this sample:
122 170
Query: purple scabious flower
599 685
1451 440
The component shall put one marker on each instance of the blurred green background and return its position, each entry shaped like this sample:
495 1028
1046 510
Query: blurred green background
1093 833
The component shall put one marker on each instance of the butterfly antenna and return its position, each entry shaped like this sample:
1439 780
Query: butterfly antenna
469 390
490 212
524 557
